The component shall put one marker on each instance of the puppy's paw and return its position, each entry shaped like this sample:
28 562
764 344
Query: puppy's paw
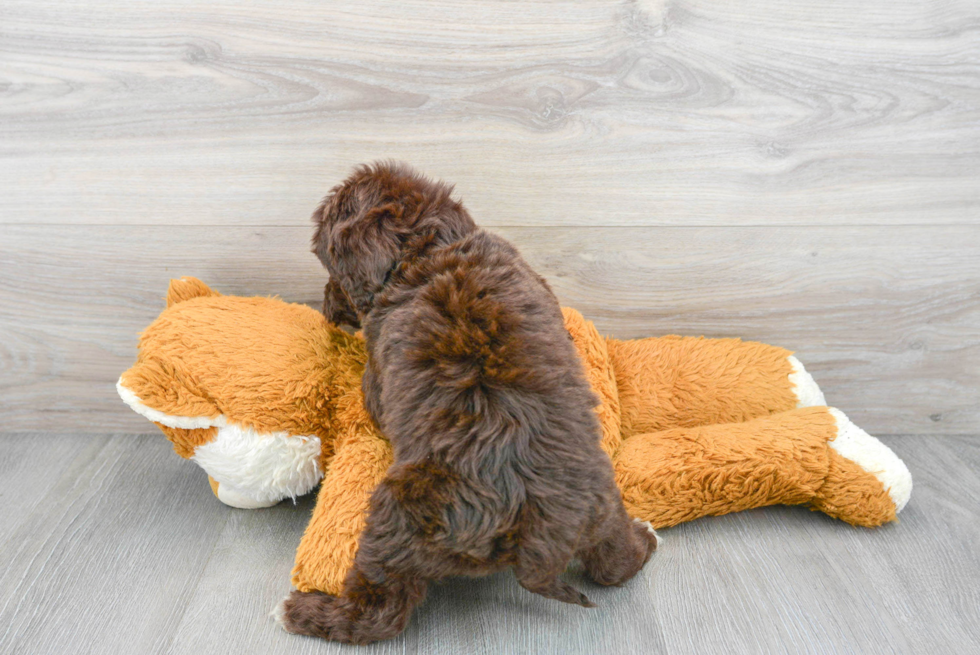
651 534
278 614
313 613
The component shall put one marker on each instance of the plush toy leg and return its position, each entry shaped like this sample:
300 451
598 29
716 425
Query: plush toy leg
328 547
849 496
803 456
669 382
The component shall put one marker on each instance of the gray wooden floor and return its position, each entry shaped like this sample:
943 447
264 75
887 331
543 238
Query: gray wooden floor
112 544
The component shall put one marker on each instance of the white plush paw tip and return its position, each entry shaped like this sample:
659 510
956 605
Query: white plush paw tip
233 498
874 457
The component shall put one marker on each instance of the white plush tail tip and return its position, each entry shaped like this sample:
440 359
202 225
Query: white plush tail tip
807 391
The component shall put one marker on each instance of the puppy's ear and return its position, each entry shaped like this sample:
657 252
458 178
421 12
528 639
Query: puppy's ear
324 217
337 307
318 245
364 250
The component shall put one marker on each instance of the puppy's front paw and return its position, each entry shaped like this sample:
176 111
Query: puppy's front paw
278 614
305 613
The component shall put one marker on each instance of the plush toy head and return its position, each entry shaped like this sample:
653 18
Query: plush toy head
244 387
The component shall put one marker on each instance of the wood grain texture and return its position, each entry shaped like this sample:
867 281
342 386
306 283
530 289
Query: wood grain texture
109 540
884 317
546 113
803 174
19 472
130 552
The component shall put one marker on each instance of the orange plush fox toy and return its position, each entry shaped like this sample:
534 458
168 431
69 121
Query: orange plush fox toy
266 397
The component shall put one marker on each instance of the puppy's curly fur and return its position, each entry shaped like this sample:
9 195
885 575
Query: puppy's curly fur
475 381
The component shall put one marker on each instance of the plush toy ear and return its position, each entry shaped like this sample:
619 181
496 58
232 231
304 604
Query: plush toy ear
157 390
186 288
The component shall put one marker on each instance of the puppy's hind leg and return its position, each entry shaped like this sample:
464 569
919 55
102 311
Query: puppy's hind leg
624 546
550 586
545 551
381 589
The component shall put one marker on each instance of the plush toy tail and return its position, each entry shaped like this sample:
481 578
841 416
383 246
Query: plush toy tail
186 288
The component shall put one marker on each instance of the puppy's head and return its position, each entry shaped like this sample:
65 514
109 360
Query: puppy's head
381 215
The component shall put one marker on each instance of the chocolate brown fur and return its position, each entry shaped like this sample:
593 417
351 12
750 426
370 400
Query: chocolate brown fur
475 381
337 307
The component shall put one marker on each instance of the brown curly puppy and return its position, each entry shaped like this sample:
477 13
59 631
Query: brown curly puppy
475 381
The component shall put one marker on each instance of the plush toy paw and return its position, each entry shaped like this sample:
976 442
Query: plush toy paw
233 498
867 484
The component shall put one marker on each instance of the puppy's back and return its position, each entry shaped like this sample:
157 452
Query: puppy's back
483 396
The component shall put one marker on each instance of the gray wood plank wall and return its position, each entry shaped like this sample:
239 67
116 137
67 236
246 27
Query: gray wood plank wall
802 173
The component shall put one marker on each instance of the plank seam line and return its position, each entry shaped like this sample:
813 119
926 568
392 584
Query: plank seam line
526 227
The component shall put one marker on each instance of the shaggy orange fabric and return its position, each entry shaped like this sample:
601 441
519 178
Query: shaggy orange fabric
682 474
851 494
186 441
272 366
667 382
594 352
362 458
